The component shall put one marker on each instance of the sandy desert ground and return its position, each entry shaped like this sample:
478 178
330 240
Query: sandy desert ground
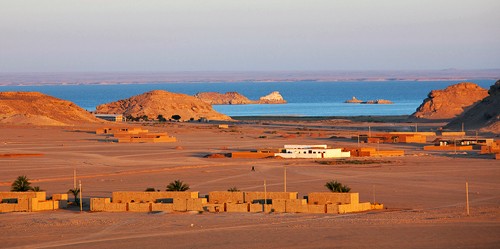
424 192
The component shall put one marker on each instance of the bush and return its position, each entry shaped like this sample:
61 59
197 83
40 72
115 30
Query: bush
176 117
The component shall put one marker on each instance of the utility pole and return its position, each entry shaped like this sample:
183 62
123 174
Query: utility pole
265 195
369 131
81 201
284 178
374 194
416 127
467 197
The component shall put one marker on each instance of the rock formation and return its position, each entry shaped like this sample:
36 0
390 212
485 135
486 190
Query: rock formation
35 108
234 98
354 100
272 98
159 102
229 98
378 101
450 102
484 116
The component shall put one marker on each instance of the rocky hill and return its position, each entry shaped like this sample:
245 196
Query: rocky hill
159 102
35 108
450 102
234 98
484 116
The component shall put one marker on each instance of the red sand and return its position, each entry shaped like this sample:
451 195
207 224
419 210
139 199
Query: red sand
423 191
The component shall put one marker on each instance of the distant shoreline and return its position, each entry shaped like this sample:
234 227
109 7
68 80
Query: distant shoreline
370 118
127 78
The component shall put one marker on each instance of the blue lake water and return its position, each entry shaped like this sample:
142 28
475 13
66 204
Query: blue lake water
305 98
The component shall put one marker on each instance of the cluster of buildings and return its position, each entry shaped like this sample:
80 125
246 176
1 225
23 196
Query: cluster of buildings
447 141
217 201
315 151
135 135
225 201
31 201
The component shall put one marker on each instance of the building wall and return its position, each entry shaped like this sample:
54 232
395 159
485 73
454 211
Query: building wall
320 198
123 197
29 202
23 195
225 197
281 202
251 196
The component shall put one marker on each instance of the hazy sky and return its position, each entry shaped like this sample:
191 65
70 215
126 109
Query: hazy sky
208 35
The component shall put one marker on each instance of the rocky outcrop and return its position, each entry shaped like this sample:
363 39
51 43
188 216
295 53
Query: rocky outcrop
272 98
378 101
354 100
229 98
450 102
159 102
34 108
234 98
484 116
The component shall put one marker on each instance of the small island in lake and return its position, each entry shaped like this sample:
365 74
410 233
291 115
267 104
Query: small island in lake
354 100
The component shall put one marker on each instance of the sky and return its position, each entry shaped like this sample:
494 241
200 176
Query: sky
251 35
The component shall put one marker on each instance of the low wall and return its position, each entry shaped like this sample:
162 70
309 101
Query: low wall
251 196
23 195
448 148
254 155
32 205
123 197
388 153
453 133
225 197
321 198
296 206
281 202
237 208
316 209
423 133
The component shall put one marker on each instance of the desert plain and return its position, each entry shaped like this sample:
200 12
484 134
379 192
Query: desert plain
423 192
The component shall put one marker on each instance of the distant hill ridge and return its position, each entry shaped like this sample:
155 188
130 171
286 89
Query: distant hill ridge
35 108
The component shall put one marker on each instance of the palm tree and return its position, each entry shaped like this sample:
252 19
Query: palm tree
177 185
233 189
37 189
21 184
75 192
335 186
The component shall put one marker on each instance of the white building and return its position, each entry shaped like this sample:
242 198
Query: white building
311 151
